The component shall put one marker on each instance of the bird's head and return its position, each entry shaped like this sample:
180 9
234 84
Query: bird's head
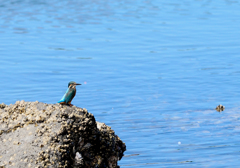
73 84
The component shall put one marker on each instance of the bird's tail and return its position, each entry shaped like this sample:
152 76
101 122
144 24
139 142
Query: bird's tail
61 101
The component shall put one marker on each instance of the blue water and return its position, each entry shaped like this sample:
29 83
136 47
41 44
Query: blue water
152 70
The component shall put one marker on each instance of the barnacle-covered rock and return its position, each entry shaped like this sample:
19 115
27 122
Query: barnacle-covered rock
35 134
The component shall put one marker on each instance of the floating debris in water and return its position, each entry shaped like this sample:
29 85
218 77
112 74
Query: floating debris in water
220 108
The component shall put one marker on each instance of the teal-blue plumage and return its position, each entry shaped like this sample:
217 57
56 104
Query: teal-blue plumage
70 93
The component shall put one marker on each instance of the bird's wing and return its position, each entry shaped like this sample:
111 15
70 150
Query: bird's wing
64 97
70 95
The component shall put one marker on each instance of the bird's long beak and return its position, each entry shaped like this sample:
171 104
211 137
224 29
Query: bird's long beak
78 84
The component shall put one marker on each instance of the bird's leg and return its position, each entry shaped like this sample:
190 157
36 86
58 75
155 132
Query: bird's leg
69 103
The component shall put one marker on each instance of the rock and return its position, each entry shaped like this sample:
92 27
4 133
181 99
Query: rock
220 108
35 134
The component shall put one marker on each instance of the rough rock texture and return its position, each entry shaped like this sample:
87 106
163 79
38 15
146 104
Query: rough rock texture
34 134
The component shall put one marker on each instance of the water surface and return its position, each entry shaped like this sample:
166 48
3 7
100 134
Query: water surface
152 70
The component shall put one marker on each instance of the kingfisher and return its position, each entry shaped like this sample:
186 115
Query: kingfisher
70 93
